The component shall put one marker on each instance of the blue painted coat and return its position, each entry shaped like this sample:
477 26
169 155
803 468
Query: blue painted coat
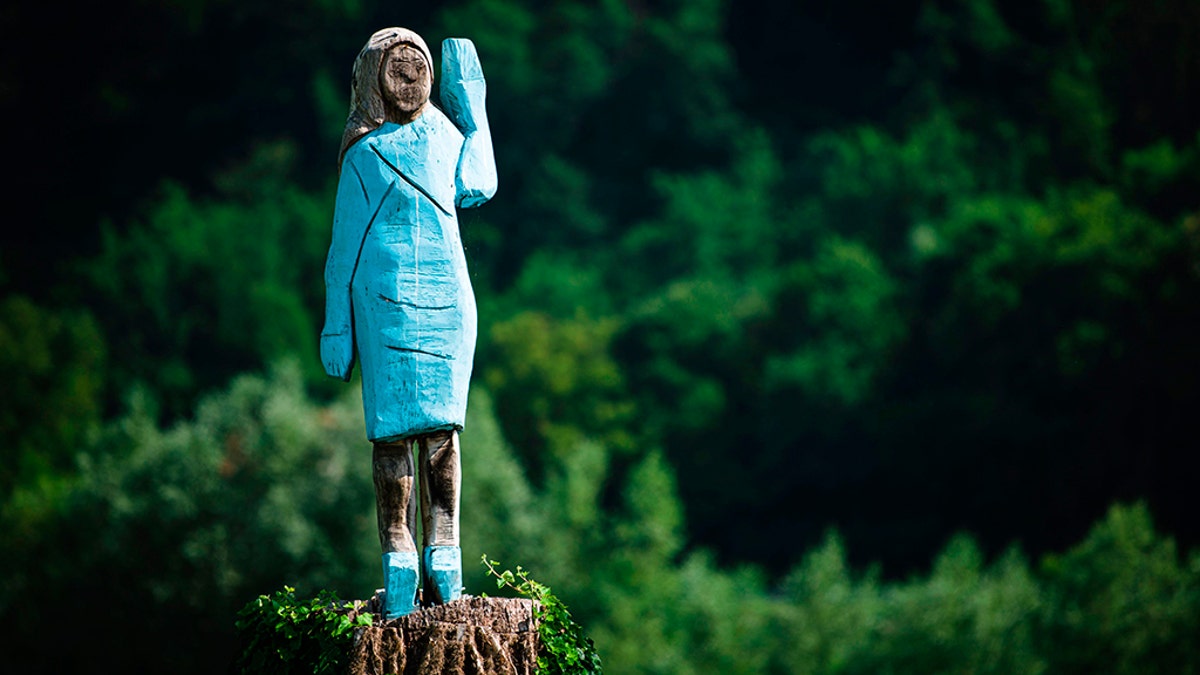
397 289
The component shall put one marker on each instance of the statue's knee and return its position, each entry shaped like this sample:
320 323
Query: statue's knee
440 457
392 459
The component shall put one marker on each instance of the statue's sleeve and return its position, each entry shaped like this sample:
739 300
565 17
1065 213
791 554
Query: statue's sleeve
463 93
350 221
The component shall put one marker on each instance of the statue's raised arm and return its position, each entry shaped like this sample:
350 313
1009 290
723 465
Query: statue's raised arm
463 94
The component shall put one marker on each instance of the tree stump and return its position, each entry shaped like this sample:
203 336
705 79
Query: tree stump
469 636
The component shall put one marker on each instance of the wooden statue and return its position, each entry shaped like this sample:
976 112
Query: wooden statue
398 294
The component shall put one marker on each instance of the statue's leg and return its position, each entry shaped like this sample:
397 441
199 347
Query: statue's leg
441 478
392 467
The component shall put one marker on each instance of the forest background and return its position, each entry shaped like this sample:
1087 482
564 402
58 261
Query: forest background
815 337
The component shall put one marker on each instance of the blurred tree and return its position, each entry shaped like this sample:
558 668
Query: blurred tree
724 617
964 618
1123 601
555 385
908 270
170 90
52 363
596 97
166 533
845 329
828 618
197 290
501 514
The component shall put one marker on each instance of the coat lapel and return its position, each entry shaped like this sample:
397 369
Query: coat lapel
415 158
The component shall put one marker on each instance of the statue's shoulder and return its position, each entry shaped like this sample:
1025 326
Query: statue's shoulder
359 149
440 124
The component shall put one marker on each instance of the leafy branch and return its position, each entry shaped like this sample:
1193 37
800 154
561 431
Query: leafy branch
282 634
564 649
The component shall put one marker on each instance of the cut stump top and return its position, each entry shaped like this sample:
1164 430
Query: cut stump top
469 636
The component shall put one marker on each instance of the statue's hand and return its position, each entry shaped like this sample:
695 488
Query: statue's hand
337 354
463 88
459 60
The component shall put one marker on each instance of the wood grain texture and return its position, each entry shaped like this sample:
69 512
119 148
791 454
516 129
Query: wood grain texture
470 636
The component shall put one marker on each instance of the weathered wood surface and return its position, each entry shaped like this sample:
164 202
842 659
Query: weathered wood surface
469 636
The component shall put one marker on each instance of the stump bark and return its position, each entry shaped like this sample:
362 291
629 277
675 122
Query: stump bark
469 636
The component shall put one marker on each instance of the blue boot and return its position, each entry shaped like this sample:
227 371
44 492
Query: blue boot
443 574
400 584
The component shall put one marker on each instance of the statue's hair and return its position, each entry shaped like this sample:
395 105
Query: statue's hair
366 98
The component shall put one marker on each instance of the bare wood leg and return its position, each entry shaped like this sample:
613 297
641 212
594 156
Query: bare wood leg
395 506
441 478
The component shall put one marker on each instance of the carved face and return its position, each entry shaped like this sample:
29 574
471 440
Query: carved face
404 79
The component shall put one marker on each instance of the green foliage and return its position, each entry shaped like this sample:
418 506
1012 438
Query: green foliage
1159 173
501 511
177 495
711 223
1123 601
878 185
1120 602
555 383
564 647
828 618
232 283
721 619
262 485
848 324
52 363
752 271
966 617
283 635
587 83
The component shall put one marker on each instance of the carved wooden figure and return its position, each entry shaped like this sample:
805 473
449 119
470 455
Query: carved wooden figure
398 295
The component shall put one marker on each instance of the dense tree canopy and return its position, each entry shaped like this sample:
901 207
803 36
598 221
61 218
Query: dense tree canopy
814 337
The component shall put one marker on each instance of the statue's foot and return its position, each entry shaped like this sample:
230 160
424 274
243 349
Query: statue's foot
400 584
443 574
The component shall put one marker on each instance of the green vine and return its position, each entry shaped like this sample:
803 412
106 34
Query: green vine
284 635
565 650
